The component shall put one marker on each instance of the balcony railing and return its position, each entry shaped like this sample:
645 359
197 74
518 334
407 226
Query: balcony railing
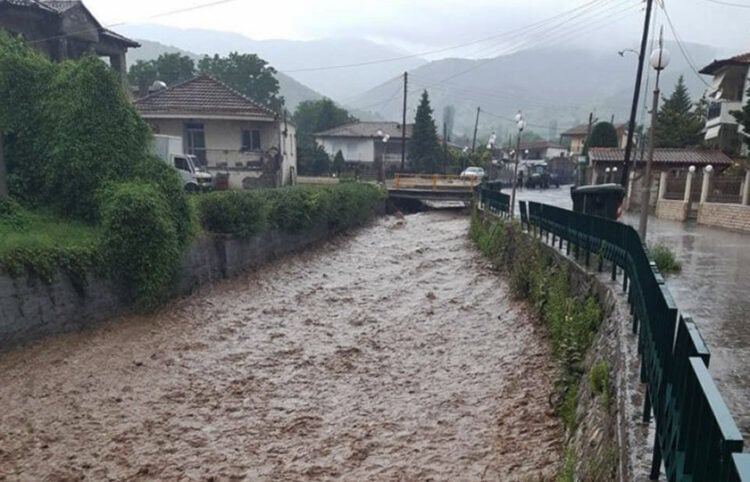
719 112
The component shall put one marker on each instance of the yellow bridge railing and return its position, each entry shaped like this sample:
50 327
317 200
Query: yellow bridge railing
434 182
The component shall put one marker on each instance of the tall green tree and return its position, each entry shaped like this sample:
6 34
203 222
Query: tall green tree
314 116
603 134
339 163
248 74
424 150
678 122
169 68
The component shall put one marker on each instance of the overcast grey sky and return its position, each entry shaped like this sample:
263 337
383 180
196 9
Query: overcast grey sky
425 25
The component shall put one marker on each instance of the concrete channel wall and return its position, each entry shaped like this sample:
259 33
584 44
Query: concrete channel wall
30 308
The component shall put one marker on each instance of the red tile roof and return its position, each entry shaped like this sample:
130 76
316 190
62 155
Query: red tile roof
367 129
582 130
665 156
201 96
713 67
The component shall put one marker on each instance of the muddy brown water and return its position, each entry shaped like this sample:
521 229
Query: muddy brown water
392 353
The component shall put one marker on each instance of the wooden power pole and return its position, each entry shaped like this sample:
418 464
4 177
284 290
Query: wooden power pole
476 126
403 126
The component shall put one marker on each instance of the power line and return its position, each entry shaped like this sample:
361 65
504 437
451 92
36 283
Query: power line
151 17
524 46
454 47
730 4
681 47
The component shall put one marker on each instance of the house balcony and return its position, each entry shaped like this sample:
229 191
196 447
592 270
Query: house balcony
227 158
719 113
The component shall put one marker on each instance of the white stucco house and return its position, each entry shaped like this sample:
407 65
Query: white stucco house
231 135
360 143
726 93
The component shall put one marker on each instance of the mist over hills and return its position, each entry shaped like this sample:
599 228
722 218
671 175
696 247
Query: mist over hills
555 87
293 55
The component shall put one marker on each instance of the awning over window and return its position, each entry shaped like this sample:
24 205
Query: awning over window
716 88
712 132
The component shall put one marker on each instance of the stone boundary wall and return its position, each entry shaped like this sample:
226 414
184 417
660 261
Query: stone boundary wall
31 309
729 216
671 210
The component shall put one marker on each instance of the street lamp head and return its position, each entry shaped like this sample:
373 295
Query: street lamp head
709 169
386 138
521 124
519 116
379 133
659 58
614 169
465 149
607 170
691 169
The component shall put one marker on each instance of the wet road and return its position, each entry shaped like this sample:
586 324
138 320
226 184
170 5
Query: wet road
390 354
714 288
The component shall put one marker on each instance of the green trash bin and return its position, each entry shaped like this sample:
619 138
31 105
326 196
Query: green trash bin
603 200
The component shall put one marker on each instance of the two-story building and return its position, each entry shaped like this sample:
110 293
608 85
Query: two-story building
64 29
361 143
575 138
727 93
228 133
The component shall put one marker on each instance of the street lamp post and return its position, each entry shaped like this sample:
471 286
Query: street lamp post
520 123
381 173
491 148
659 60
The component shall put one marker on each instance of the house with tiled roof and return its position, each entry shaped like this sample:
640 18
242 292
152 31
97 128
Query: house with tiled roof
64 29
727 92
361 143
230 135
575 138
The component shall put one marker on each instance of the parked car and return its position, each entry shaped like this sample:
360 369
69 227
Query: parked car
473 173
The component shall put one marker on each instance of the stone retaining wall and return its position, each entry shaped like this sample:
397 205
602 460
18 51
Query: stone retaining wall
729 216
30 308
671 209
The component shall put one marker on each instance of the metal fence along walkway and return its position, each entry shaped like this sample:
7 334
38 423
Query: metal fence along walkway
696 436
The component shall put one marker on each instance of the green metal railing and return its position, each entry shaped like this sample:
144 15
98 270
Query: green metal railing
494 202
696 437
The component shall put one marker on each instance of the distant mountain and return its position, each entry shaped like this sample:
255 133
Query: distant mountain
294 92
555 88
289 55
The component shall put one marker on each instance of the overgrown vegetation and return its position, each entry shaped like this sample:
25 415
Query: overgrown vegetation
599 381
665 259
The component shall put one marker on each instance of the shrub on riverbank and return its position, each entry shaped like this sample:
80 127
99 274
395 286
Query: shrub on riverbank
291 209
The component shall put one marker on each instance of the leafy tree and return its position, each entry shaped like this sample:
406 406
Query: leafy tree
169 68
339 164
248 74
603 134
678 123
424 151
743 119
311 117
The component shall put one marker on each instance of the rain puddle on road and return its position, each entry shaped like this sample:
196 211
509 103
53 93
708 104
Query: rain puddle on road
393 353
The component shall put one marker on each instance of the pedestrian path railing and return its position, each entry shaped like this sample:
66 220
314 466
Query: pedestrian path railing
495 202
696 437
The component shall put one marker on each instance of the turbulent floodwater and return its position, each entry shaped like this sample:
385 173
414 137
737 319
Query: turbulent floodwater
390 354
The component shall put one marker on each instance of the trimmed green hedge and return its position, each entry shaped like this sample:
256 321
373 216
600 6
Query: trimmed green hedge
291 209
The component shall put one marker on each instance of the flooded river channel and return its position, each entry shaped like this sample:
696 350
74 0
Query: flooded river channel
392 353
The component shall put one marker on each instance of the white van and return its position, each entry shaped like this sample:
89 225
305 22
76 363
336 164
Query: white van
169 149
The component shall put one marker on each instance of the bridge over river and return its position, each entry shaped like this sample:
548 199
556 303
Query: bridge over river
390 353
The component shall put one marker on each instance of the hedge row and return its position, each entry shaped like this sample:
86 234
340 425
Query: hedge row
291 209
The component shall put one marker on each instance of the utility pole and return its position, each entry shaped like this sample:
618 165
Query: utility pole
661 62
445 148
582 173
636 93
476 126
403 126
